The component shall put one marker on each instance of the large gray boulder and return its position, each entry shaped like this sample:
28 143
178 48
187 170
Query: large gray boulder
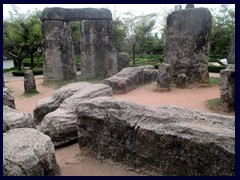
98 50
231 51
52 102
58 51
188 43
13 118
227 87
8 99
29 82
28 152
128 79
60 125
181 81
163 140
63 14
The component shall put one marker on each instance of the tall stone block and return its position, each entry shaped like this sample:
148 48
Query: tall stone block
188 43
98 51
58 52
227 87
29 82
231 51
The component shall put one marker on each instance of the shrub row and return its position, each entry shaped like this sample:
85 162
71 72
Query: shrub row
27 64
216 69
38 71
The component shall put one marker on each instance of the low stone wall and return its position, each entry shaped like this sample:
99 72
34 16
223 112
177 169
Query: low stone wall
163 140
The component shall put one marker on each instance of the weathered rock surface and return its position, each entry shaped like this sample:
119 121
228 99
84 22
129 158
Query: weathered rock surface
181 81
150 75
52 102
164 76
189 6
98 51
60 125
75 14
188 43
231 51
28 152
127 79
227 87
29 82
123 61
58 51
13 118
164 140
8 99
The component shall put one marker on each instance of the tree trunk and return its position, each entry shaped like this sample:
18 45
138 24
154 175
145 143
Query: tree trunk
133 53
19 64
38 58
32 61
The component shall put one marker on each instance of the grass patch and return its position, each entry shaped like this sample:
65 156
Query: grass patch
30 94
213 80
215 105
9 70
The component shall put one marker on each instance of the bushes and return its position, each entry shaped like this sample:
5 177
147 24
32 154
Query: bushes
37 71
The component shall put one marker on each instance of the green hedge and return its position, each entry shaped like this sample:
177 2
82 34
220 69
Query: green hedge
216 69
38 71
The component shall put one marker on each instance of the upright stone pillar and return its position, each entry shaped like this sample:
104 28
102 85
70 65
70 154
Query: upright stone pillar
188 43
58 52
123 61
29 82
231 51
98 51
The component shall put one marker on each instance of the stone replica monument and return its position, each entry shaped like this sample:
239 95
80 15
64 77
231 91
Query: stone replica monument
29 82
98 52
227 79
188 43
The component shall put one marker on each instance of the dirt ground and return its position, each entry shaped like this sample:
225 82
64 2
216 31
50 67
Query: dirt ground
81 162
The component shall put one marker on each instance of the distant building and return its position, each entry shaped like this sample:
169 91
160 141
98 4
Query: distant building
7 62
178 7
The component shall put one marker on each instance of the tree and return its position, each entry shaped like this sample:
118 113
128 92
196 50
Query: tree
119 30
139 30
22 35
223 26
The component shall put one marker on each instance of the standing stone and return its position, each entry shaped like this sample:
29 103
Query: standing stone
29 82
98 51
189 6
231 51
181 81
164 76
8 99
188 43
58 52
123 61
227 87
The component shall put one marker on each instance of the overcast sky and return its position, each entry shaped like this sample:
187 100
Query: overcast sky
138 9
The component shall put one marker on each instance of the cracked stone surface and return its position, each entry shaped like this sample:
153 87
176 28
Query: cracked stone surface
98 50
188 43
164 140
129 78
28 152
52 102
13 118
60 125
8 99
123 60
29 82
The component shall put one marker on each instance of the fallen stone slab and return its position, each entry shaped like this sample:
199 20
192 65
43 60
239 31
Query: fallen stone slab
163 140
28 152
127 79
60 125
52 102
13 118
8 99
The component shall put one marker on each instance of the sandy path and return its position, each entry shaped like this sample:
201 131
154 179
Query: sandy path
79 162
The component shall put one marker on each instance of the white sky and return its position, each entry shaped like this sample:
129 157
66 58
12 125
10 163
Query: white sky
138 9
